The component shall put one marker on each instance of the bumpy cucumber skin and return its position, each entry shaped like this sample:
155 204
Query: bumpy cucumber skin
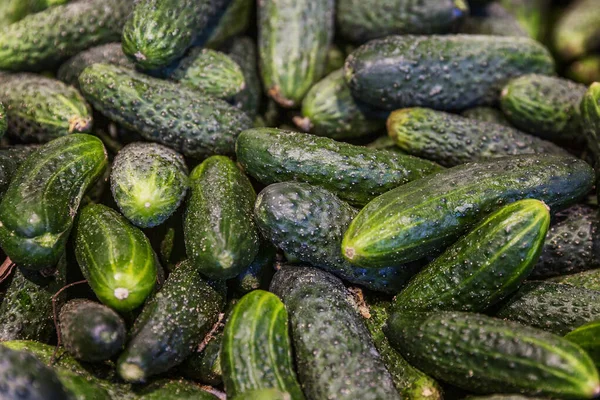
205 366
447 73
452 140
356 174
590 114
483 267
486 114
586 279
258 327
115 257
577 32
243 52
183 311
335 355
39 109
43 40
492 19
148 182
259 272
545 106
487 355
585 70
308 222
164 112
233 22
420 217
174 390
221 237
10 159
553 307
293 39
587 337
49 183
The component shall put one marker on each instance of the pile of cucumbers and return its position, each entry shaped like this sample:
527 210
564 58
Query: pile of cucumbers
299 199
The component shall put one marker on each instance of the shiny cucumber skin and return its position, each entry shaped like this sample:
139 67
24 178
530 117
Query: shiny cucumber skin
423 216
590 114
553 307
446 73
10 159
243 52
588 338
293 39
486 114
335 355
257 329
164 112
43 40
488 355
39 109
356 174
220 235
577 31
37 210
115 257
484 266
451 140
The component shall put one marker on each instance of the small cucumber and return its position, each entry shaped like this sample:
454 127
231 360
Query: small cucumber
588 338
586 279
148 182
115 257
577 32
259 272
494 20
174 390
221 238
585 70
10 159
486 114
243 52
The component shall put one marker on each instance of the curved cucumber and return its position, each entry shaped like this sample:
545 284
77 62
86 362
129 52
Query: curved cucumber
588 338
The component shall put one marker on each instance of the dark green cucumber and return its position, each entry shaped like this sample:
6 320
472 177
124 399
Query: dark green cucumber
272 155
533 15
483 267
590 114
588 338
585 70
90 331
148 182
544 106
335 355
586 279
231 22
15 10
293 39
205 366
492 19
328 109
243 52
174 390
164 112
257 328
37 210
577 32
488 355
43 40
10 159
263 394
171 325
360 21
221 238
260 271
115 257
553 307
427 215
39 109
452 140
308 222
486 114
44 352
452 72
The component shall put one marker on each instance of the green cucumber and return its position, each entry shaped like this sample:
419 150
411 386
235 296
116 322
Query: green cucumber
41 41
148 182
82 387
171 325
260 271
587 337
164 112
40 109
10 159
263 394
174 390
494 20
447 73
488 355
486 114
533 15
585 70
577 32
44 352
335 355
15 10
37 210
234 21
3 120
590 114
452 140
293 39
483 267
115 257
221 238
272 155
586 279
423 216
257 328
243 52
90 331
205 366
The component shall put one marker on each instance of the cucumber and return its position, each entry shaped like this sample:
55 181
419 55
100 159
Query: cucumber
10 159
15 10
487 355
486 114
263 394
243 52
257 328
40 109
585 70
272 155
446 73
385 143
483 267
335 355
587 337
163 112
421 217
115 257
260 271
533 15
577 32
90 331
49 183
220 235
205 366
42 41
234 21
81 387
360 21
452 140
586 279
590 114
171 325
293 39
336 57
148 182
494 20
174 390
43 352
